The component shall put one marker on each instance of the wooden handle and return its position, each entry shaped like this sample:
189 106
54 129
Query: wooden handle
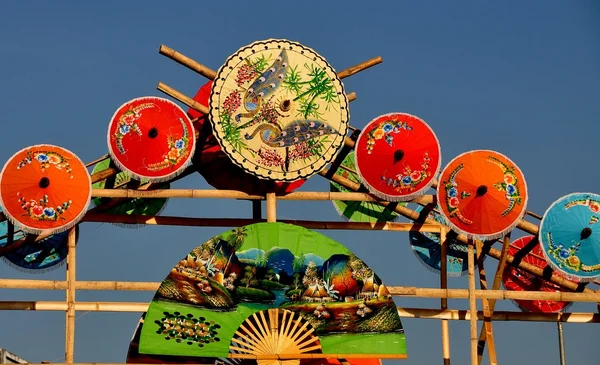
360 67
187 62
182 98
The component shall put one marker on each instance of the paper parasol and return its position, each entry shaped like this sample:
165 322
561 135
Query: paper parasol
356 211
279 110
236 277
45 189
216 167
482 194
135 206
134 357
36 257
397 156
426 246
570 236
151 138
516 279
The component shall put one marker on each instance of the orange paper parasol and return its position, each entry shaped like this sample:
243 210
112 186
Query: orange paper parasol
45 189
482 194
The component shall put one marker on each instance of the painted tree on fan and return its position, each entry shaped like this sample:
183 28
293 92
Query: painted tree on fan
234 242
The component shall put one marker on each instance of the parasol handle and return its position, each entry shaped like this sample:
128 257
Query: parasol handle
187 62
183 98
360 67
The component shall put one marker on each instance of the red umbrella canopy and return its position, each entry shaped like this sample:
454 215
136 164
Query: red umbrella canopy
397 156
482 194
519 280
216 166
151 138
45 189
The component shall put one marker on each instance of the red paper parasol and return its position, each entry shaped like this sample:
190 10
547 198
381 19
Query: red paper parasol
397 156
45 189
482 194
218 169
519 280
151 138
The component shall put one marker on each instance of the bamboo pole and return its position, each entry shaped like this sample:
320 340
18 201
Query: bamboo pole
561 344
404 312
360 67
444 301
183 98
403 291
487 323
271 207
70 312
237 222
187 62
495 286
472 302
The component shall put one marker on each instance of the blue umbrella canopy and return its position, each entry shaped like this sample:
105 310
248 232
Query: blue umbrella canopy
35 257
426 246
570 236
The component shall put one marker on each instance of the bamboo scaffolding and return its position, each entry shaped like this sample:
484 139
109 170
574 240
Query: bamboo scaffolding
472 302
404 312
444 301
487 323
271 207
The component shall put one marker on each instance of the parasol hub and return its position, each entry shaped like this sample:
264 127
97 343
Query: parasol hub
398 156
286 105
153 132
586 233
44 182
482 190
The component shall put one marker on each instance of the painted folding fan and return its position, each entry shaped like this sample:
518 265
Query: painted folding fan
272 289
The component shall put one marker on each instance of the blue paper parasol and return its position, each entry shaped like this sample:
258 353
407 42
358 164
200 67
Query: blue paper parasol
570 236
427 248
35 257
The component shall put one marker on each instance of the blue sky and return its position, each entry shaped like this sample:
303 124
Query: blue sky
521 78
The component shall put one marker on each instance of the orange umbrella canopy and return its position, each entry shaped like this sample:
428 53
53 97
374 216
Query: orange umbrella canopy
45 189
482 194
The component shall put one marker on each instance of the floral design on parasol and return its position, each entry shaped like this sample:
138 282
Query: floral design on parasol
356 211
516 279
426 246
217 168
279 110
45 189
397 156
135 206
151 138
570 236
36 257
482 194
280 272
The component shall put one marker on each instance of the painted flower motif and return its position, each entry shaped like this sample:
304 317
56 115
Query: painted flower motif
563 253
510 189
179 144
416 175
173 154
453 202
124 129
509 179
573 261
42 157
595 207
37 210
53 159
129 118
406 180
49 212
387 127
378 134
453 192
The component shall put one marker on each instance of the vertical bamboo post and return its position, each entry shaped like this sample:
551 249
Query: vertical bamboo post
70 317
444 301
561 344
487 313
472 302
271 207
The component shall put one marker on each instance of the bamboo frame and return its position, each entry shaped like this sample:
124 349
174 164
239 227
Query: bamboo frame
70 315
444 301
487 323
472 302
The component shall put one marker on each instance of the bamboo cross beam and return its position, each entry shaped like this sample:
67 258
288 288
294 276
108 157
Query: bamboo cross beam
211 74
404 312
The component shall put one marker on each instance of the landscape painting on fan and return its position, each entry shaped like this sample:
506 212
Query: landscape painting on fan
216 291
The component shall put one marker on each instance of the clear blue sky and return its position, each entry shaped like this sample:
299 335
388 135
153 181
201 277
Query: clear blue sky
518 77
